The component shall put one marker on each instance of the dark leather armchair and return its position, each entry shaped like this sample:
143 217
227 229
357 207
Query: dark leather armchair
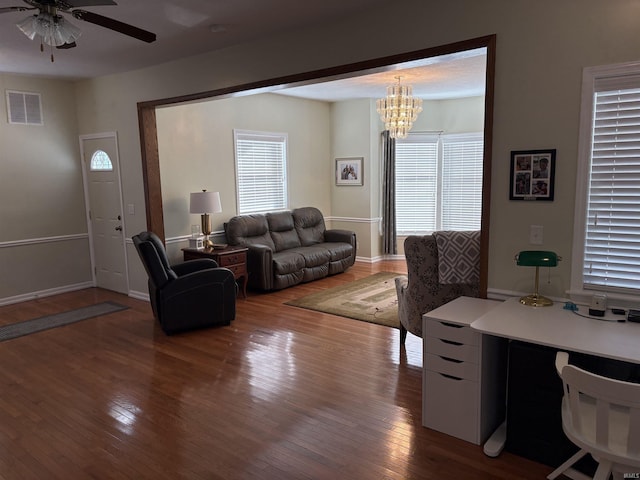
189 295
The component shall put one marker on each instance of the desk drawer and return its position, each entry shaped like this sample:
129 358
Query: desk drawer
232 259
451 406
450 349
451 331
448 366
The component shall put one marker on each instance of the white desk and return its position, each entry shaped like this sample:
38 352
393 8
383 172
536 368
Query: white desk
559 329
555 327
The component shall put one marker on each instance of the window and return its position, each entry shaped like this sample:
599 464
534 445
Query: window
438 183
606 253
100 162
261 166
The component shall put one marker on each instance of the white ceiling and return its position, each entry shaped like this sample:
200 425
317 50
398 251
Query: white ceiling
191 27
448 76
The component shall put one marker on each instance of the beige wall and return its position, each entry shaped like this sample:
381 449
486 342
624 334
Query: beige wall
354 206
43 232
542 48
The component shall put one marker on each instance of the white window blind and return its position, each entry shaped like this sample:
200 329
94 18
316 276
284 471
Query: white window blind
461 182
612 238
416 184
438 183
261 171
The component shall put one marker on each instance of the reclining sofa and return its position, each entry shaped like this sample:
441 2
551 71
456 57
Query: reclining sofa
290 247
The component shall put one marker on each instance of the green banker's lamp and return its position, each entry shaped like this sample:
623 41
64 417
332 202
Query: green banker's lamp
537 258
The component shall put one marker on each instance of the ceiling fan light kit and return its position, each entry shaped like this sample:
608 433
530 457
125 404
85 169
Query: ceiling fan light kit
54 30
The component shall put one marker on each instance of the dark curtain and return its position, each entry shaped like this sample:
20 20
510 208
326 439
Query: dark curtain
389 243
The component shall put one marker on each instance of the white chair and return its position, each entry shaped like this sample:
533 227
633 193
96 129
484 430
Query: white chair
602 417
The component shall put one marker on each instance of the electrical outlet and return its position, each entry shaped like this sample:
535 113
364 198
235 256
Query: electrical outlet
535 234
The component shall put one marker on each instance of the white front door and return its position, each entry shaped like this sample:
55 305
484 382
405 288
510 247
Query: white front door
104 199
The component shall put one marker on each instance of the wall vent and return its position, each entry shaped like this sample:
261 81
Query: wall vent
24 108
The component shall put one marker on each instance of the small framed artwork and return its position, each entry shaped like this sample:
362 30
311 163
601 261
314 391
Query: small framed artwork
349 171
532 175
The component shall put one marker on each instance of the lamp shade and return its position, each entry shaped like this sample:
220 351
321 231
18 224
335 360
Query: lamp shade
537 258
205 202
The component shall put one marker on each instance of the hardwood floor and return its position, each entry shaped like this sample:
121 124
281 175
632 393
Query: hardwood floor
283 393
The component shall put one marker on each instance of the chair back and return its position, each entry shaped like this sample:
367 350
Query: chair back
421 253
602 415
154 258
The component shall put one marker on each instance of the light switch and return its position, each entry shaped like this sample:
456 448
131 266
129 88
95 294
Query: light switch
535 234
132 209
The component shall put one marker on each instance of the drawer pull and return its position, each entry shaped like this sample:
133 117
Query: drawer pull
452 325
451 377
451 342
448 359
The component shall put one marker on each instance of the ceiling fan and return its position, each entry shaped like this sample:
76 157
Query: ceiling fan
54 30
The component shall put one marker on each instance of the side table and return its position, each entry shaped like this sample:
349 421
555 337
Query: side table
233 258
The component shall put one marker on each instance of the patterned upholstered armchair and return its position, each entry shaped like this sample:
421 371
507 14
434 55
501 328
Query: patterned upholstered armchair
421 290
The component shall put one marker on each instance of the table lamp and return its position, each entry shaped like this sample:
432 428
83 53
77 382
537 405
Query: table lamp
204 203
537 258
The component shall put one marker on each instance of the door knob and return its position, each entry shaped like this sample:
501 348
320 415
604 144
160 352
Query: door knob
119 228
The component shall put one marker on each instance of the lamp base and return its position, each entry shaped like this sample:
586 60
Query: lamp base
536 300
207 242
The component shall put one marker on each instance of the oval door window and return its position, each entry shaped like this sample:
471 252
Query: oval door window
100 161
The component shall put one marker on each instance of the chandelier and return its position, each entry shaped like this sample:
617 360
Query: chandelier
52 29
399 109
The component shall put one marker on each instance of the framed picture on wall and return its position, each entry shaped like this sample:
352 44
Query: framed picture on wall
349 171
532 175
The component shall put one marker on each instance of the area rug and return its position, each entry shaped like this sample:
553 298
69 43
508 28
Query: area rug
372 299
26 327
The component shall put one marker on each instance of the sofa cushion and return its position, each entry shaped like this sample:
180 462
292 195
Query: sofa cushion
248 230
283 233
314 255
288 261
309 223
337 250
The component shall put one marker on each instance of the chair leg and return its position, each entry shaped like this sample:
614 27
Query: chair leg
604 470
403 335
558 471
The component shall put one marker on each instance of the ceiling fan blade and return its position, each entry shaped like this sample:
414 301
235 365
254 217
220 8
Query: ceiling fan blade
15 9
115 25
66 46
88 3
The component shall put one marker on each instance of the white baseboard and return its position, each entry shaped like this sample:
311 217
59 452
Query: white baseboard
369 259
139 295
45 293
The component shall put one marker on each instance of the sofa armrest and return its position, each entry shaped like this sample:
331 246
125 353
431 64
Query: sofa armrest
260 266
338 235
191 266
